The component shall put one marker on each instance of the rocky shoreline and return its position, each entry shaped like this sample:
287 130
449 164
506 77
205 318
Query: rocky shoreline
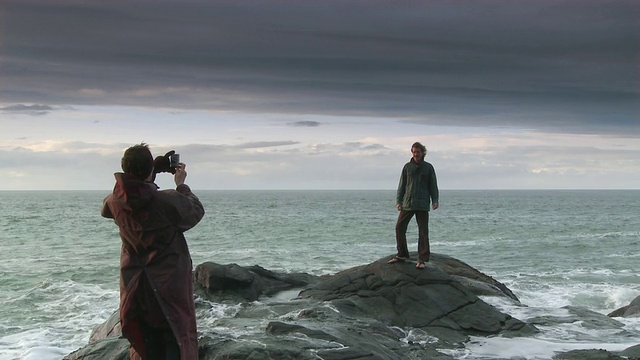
373 311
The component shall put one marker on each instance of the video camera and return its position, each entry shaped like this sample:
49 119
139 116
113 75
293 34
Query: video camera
167 163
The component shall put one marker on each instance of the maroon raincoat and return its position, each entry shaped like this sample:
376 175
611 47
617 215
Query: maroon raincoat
155 265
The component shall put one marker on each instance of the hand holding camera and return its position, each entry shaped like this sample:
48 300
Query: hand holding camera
170 163
167 163
181 174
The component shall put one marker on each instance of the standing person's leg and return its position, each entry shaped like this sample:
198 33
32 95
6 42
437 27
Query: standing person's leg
401 233
424 252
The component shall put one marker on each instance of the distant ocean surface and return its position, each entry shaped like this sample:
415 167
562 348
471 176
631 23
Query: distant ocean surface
59 258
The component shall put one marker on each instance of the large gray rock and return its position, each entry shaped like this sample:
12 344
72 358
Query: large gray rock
109 328
374 311
110 348
429 299
631 310
632 352
235 283
474 280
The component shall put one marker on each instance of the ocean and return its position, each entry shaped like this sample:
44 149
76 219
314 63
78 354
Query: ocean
552 248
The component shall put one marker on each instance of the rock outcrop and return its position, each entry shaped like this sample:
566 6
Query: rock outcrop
374 311
234 283
430 299
631 310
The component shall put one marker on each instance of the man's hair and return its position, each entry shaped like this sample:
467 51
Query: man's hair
138 161
418 145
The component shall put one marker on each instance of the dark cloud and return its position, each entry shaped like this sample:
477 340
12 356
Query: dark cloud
305 124
547 65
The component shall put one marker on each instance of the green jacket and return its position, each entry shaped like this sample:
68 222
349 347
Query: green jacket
418 186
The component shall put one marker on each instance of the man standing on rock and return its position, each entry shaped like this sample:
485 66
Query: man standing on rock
157 311
417 190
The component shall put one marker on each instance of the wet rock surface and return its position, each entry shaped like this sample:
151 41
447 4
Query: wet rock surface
373 311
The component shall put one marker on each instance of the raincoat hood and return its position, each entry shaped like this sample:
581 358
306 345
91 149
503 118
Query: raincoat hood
132 192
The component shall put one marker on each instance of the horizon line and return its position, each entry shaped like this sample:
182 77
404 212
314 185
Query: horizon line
445 189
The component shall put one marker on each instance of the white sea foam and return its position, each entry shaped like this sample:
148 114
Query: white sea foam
524 348
456 244
44 353
330 306
626 254
418 336
34 344
523 313
82 306
560 330
282 296
215 311
210 316
631 324
604 235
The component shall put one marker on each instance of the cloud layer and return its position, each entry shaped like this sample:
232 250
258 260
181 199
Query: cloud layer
322 94
559 66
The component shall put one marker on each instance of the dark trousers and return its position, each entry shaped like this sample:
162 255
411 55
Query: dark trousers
422 218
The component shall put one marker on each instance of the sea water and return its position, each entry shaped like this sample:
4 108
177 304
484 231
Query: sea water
59 258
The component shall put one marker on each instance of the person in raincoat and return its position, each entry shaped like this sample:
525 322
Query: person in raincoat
417 190
157 310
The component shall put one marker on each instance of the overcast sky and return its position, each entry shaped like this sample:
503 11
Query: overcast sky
327 94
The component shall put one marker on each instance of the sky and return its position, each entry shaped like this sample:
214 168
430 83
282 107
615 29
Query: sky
302 94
